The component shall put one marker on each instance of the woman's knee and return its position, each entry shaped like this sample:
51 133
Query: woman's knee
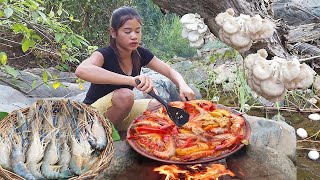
123 97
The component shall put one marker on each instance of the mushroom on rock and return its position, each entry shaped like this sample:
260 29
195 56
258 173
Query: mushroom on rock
261 69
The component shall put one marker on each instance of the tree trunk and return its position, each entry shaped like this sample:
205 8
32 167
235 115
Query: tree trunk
209 9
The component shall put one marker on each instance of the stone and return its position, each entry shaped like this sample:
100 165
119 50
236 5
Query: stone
302 133
313 155
314 117
273 134
250 162
11 99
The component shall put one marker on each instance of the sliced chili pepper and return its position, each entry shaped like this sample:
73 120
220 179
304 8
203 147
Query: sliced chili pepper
188 143
168 126
147 129
175 130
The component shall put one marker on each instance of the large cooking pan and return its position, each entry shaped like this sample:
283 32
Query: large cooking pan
136 147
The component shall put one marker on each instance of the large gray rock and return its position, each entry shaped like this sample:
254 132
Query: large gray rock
165 87
11 99
274 134
251 163
262 164
25 80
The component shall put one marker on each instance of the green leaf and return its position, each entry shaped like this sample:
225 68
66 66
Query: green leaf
212 59
32 43
45 77
8 12
68 43
43 16
37 37
115 135
1 13
10 70
76 41
51 14
25 45
59 36
3 1
16 27
71 18
3 58
3 115
56 84
34 84
59 12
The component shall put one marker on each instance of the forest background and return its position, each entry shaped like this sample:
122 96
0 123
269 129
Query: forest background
62 33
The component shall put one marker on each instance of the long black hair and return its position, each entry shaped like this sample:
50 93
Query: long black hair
118 18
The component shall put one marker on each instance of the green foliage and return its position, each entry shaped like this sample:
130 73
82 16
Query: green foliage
93 16
45 31
169 42
40 31
162 33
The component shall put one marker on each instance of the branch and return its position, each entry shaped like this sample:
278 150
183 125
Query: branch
283 109
305 140
38 85
308 59
38 48
36 29
310 149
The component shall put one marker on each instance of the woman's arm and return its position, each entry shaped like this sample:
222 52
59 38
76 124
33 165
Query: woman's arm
162 68
91 70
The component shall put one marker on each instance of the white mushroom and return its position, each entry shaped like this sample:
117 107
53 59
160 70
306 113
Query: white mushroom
184 32
193 36
256 80
231 26
240 39
249 61
197 44
277 98
272 86
256 88
261 69
224 37
290 85
254 24
305 77
290 70
246 48
202 28
188 18
263 53
267 29
192 26
221 17
230 11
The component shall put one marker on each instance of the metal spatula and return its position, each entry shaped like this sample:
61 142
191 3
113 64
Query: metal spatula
177 115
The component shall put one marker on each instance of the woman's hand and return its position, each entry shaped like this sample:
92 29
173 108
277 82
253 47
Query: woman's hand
186 93
146 83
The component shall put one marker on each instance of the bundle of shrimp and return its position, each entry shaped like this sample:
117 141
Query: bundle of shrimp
54 139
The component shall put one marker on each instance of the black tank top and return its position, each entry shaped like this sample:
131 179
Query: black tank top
111 63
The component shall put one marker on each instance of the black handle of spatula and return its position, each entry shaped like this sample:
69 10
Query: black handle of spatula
153 94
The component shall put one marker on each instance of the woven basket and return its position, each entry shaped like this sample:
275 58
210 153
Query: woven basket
105 156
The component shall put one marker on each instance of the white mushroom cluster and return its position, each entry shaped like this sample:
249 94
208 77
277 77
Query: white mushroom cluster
271 78
240 32
194 29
